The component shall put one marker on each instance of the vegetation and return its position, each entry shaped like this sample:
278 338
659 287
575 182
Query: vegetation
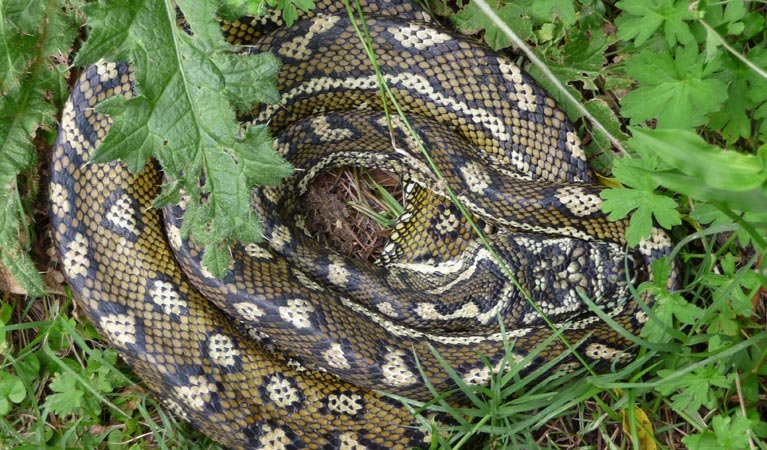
669 96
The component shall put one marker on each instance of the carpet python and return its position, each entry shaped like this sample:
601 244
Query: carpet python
292 348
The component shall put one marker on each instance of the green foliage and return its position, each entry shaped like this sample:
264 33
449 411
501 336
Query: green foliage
644 19
688 76
289 8
678 90
63 393
33 36
183 115
690 79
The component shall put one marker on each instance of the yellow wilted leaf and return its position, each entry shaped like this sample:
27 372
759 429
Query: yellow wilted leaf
644 429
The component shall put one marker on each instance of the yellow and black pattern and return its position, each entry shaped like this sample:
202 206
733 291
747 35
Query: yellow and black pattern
290 349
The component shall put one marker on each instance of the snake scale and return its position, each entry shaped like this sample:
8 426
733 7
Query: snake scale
293 346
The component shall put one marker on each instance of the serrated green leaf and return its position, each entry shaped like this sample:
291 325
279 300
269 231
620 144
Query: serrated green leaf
747 92
23 269
647 205
68 397
32 36
732 432
679 92
184 117
642 18
702 441
216 260
695 389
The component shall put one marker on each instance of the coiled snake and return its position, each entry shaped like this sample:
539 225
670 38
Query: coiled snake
225 353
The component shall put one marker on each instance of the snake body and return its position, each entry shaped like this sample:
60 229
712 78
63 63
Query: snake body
291 347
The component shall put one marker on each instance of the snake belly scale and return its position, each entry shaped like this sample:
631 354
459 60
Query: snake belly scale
290 349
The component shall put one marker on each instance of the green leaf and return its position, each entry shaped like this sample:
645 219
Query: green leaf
216 260
679 92
471 20
747 92
732 432
67 397
642 18
183 116
687 152
12 390
694 389
33 37
618 203
702 441
552 9
599 149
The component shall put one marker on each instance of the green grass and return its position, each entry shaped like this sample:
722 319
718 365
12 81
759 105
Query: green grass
677 88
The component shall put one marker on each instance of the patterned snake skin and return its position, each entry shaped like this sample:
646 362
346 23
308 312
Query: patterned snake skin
293 346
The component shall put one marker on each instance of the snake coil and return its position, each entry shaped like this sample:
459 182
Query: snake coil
292 347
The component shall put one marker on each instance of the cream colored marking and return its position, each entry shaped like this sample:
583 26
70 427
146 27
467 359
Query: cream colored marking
176 408
281 237
323 23
75 258
164 294
418 37
476 177
121 214
281 147
297 313
281 393
573 144
297 48
273 438
526 100
480 376
79 144
523 226
174 236
328 133
428 311
257 251
222 350
601 351
410 82
569 367
443 268
338 274
349 404
60 200
580 204
387 309
401 331
306 281
106 70
249 311
349 442
183 199
395 371
658 240
335 357
197 393
121 328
